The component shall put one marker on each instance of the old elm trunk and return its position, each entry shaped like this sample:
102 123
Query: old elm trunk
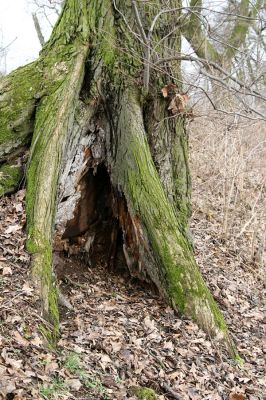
107 163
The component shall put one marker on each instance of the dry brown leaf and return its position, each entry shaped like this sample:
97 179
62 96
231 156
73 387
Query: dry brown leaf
237 396
149 323
174 374
74 384
165 91
178 103
14 318
27 289
35 394
7 271
2 370
168 345
169 90
77 349
51 367
29 373
19 207
116 346
20 340
16 364
37 341
105 358
7 386
12 229
109 381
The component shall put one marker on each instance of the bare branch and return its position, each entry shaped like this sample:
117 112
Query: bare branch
139 23
208 63
38 29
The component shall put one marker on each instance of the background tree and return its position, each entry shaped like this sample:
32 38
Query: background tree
227 43
224 51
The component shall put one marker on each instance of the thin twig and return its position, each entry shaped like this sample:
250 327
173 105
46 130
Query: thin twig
184 57
147 51
170 391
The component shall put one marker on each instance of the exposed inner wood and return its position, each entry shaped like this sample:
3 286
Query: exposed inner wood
101 230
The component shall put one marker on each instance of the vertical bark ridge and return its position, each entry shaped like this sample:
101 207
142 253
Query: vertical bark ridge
53 125
133 171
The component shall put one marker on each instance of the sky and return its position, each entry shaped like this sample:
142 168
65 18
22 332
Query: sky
18 33
16 27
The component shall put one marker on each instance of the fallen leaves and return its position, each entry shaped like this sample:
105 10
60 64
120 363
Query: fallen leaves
20 340
74 384
122 334
7 271
237 396
27 289
12 229
10 362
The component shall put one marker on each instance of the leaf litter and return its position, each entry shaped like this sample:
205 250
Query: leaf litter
120 335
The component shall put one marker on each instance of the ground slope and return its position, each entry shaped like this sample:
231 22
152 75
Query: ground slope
119 334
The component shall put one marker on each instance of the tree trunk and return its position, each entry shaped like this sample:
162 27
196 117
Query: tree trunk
108 159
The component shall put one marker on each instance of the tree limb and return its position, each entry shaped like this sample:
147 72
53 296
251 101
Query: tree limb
38 29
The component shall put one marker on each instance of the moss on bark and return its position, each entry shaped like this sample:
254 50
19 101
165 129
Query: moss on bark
54 122
134 172
19 94
10 176
63 63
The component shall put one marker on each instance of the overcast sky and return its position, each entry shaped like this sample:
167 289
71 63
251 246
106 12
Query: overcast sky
16 25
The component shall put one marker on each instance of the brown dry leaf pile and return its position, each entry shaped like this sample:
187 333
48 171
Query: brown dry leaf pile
120 335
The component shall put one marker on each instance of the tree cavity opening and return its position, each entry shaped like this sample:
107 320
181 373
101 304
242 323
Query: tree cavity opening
97 232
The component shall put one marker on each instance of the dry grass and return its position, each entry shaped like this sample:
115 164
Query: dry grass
228 163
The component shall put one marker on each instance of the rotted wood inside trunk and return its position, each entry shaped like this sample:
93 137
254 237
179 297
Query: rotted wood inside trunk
102 230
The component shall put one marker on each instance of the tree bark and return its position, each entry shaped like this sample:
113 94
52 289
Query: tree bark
107 157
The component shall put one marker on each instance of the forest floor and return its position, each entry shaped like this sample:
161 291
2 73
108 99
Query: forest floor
120 335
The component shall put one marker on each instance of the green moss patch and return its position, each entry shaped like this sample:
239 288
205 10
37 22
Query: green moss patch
19 93
10 176
143 393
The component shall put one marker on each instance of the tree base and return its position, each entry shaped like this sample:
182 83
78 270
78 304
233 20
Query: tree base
104 174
